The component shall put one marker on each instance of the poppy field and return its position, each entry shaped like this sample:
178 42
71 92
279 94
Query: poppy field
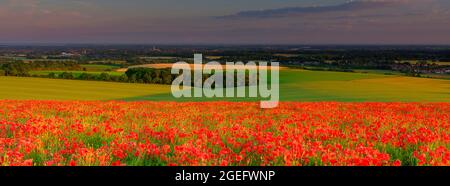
104 133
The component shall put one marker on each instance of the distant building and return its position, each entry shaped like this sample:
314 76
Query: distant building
65 54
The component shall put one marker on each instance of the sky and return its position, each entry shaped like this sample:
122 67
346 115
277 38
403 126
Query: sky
225 21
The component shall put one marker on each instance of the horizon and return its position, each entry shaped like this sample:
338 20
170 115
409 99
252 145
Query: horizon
250 22
223 44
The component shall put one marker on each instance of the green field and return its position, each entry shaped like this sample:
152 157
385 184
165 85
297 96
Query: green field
76 73
295 85
90 67
20 88
382 72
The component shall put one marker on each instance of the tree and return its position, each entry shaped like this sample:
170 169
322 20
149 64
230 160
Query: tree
52 75
15 69
115 78
66 75
156 80
104 77
132 78
86 76
123 78
147 78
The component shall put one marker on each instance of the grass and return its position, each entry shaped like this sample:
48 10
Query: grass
385 89
437 76
302 85
19 88
92 67
76 73
108 61
382 72
295 85
34 60
342 86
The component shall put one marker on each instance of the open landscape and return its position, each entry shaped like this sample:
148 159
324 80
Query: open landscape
96 112
295 85
326 118
318 85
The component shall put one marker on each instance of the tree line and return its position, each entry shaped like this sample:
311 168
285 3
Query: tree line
132 75
22 68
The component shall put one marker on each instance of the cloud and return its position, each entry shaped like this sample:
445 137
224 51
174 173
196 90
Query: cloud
33 14
344 7
361 22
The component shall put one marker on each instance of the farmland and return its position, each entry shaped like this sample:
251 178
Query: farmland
191 66
75 73
87 68
302 85
295 85
19 88
219 92
91 67
379 120
92 133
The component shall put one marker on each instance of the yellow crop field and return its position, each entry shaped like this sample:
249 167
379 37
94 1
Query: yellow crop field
19 88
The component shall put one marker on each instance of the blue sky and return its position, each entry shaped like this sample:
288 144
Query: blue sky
226 21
